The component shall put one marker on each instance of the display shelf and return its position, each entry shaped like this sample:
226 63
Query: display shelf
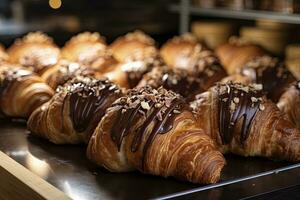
185 9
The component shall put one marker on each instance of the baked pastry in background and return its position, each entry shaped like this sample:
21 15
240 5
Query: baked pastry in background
235 54
268 71
289 103
35 51
125 45
90 49
64 71
75 110
131 71
242 121
177 51
3 54
21 92
176 80
154 132
186 83
82 43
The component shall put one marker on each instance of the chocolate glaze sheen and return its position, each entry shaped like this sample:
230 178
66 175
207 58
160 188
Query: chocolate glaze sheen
89 99
159 108
237 102
267 71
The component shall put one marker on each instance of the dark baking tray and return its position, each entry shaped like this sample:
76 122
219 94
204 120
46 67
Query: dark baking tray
67 168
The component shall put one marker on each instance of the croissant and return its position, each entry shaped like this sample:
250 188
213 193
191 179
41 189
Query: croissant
237 53
181 81
35 51
90 50
241 120
3 55
74 111
289 103
131 71
269 72
176 51
124 46
154 132
21 92
64 71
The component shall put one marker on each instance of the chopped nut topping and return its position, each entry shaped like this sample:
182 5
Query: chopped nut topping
145 105
236 100
253 99
261 107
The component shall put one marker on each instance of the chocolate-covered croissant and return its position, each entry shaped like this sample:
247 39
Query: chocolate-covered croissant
268 71
64 71
125 45
21 92
235 54
289 103
74 111
154 132
36 51
242 121
131 71
177 80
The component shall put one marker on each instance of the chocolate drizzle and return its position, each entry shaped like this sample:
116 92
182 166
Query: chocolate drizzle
139 63
69 70
177 80
267 71
155 107
238 102
89 98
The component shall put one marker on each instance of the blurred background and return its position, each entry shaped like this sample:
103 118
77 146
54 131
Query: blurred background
273 24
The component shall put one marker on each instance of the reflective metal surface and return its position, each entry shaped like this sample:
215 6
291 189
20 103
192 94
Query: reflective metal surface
67 168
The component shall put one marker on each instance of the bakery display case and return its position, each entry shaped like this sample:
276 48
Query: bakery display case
192 100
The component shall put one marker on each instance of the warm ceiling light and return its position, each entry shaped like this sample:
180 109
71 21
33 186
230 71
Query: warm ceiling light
55 4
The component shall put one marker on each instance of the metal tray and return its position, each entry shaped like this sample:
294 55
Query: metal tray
67 168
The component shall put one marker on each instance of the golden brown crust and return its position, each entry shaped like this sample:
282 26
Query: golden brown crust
184 152
268 71
270 134
235 55
21 92
289 103
64 71
74 111
125 45
35 51
129 73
